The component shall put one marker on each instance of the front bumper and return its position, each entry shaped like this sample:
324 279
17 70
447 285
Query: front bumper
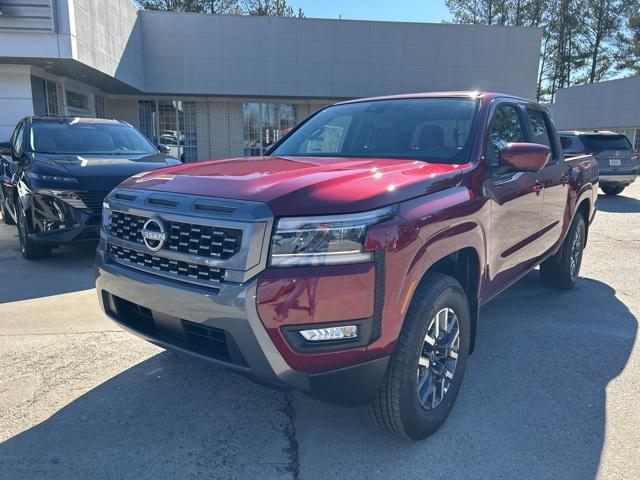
55 221
224 328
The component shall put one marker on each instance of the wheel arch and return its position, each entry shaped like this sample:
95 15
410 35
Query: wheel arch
584 208
463 264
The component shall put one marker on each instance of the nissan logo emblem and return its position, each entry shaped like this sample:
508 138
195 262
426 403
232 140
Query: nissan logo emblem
154 234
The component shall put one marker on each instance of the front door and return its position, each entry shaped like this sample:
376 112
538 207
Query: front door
516 202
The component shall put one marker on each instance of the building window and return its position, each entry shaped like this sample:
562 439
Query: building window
171 123
265 124
51 93
77 100
99 101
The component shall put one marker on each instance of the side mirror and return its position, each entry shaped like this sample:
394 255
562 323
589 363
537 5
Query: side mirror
5 148
162 148
526 157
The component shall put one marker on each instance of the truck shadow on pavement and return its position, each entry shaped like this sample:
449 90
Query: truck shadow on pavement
618 204
532 405
70 269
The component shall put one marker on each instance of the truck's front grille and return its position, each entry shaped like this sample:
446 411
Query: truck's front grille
194 239
178 269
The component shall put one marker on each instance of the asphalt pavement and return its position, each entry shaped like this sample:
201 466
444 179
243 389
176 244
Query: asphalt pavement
551 392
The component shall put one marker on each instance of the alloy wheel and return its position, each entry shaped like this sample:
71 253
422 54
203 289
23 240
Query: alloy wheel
576 252
438 358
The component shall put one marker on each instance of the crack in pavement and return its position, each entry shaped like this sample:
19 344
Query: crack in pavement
290 433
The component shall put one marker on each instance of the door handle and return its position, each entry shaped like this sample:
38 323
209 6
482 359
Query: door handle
538 187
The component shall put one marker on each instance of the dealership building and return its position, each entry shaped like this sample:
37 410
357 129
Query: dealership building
612 105
212 86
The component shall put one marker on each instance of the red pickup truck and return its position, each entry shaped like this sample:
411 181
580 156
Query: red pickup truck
351 261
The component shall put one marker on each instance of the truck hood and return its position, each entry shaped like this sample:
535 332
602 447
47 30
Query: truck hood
305 185
98 172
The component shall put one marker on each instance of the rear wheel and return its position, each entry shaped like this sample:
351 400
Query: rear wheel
562 270
610 189
30 249
6 216
428 364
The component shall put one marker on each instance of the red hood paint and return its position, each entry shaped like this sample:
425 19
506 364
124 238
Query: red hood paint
305 185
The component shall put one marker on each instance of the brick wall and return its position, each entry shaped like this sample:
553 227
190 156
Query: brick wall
125 109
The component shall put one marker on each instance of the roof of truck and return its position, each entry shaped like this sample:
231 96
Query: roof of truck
34 119
456 94
587 132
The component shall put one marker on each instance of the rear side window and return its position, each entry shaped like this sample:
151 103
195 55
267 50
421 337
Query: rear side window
505 128
538 131
571 144
599 143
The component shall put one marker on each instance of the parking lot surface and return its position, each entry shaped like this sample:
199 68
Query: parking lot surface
552 390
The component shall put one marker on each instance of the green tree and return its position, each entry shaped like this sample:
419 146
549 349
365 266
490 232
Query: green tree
200 6
273 8
580 40
277 8
628 54
601 21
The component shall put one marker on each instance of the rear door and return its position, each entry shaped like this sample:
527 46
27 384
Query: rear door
554 177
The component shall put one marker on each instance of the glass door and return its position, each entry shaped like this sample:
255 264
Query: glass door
265 124
171 123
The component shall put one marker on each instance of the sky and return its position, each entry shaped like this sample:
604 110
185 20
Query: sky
428 11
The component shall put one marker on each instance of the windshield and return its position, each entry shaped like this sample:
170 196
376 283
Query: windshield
429 129
88 139
598 143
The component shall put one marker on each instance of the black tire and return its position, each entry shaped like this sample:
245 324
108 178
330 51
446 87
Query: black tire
562 270
611 189
397 406
6 216
30 249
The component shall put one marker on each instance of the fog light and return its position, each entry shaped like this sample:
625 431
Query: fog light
332 333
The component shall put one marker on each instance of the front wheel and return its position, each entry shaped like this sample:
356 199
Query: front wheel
29 249
428 364
561 270
611 189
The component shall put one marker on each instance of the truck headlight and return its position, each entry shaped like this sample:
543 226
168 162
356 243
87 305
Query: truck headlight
326 240
106 217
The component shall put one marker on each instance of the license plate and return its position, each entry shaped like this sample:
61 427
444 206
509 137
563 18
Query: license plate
614 162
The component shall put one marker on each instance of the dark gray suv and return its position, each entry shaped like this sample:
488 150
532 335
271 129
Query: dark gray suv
616 159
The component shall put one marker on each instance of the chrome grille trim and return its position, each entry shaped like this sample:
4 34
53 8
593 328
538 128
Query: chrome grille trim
179 270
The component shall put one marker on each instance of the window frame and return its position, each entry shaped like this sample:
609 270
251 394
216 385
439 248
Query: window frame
555 149
52 98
